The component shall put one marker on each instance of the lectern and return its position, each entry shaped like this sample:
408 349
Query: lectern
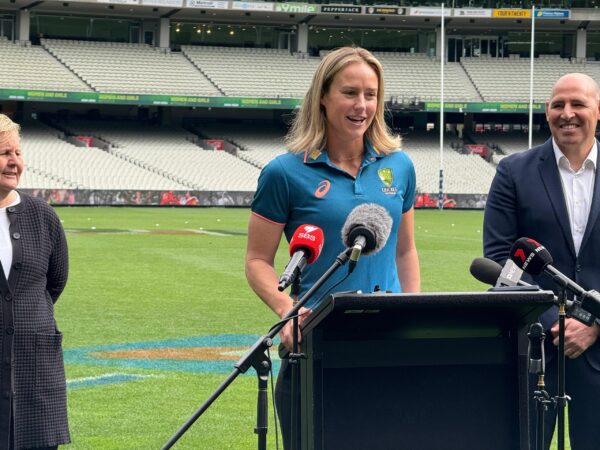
418 371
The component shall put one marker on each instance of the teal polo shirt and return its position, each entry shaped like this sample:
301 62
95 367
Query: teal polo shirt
297 189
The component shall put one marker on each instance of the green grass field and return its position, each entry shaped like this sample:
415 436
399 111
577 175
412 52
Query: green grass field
148 278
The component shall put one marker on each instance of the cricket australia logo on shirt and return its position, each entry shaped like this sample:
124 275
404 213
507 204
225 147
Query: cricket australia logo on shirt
386 175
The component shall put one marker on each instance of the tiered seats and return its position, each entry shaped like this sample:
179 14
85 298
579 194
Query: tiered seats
53 163
254 72
507 79
463 174
508 142
130 68
170 153
27 67
415 76
257 146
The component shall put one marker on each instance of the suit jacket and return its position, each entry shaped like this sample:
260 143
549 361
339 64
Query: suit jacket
32 376
526 200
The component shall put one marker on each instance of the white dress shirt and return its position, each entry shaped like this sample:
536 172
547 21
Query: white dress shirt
6 250
578 189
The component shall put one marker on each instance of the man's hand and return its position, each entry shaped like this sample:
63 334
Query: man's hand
578 337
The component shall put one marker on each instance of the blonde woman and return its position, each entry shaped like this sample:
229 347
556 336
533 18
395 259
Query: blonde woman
33 253
341 155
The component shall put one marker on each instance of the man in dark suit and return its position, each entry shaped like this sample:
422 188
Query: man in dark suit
551 193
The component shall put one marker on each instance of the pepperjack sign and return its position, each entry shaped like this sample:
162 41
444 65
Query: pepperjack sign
341 9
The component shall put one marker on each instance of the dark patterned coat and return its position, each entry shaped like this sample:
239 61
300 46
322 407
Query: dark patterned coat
32 376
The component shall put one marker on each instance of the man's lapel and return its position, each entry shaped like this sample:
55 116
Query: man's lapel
551 179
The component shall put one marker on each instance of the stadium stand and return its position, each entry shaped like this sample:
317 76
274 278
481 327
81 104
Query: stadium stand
254 72
416 77
506 143
21 66
464 174
52 163
507 79
173 154
130 68
256 145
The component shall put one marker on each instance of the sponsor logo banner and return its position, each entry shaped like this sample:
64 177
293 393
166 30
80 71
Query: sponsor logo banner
298 8
140 99
175 3
485 107
252 6
341 9
120 2
430 11
472 12
385 10
511 13
208 4
552 14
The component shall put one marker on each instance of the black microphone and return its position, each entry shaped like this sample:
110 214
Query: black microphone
534 258
537 360
366 231
490 272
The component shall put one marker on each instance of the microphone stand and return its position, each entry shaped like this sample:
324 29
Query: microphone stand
541 396
256 357
294 360
561 399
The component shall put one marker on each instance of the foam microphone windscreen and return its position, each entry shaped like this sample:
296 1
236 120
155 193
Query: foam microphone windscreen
371 221
308 238
530 256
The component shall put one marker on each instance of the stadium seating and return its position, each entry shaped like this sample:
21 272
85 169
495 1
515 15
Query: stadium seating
173 154
414 77
507 79
130 68
254 72
54 163
112 67
256 145
506 143
463 174
21 66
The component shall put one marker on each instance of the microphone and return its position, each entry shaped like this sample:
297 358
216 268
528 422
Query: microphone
490 272
537 360
366 231
305 248
534 258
